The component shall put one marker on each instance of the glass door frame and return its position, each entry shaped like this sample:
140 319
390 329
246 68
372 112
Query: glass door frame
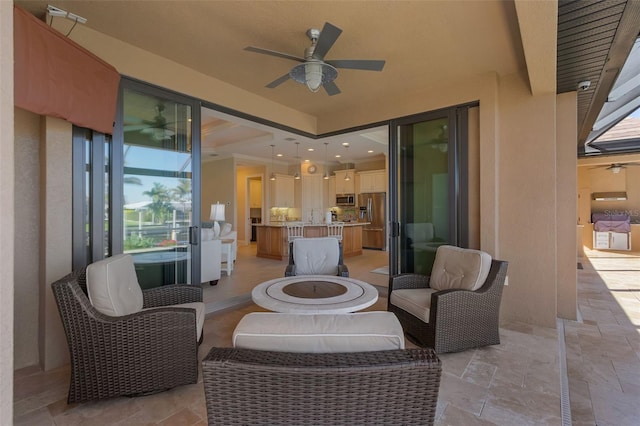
116 203
458 133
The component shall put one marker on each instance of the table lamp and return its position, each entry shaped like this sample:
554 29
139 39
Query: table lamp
217 214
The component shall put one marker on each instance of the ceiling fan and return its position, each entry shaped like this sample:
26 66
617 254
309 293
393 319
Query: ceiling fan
313 70
156 128
616 167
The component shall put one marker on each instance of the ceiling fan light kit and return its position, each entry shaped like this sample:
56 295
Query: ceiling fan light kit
314 74
314 71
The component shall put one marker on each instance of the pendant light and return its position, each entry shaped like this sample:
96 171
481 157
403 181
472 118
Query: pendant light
273 175
297 175
346 164
326 165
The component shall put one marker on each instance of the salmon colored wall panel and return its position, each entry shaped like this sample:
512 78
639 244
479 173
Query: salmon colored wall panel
56 77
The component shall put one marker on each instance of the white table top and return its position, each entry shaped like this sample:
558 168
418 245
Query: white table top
358 295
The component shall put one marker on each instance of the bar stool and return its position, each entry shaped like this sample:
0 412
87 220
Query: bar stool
295 230
334 229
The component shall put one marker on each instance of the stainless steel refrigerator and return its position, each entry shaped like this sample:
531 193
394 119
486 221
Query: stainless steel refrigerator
372 208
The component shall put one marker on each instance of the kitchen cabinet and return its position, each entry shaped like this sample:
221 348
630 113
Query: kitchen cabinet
345 186
312 191
373 181
272 242
282 191
330 199
255 194
351 241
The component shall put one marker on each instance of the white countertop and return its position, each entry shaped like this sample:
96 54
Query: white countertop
277 224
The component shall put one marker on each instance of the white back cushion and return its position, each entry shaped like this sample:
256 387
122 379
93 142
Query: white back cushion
113 286
322 333
459 268
316 256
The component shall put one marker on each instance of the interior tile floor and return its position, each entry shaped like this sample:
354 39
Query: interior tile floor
516 382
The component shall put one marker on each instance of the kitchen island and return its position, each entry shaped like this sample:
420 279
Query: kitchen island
272 241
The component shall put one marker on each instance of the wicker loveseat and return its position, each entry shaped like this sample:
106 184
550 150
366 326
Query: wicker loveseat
249 387
145 352
343 369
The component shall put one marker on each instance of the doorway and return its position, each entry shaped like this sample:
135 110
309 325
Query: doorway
254 200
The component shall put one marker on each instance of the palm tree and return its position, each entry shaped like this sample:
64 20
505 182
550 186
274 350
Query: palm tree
182 192
160 201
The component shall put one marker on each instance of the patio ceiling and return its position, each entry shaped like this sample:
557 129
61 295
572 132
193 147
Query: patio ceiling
425 44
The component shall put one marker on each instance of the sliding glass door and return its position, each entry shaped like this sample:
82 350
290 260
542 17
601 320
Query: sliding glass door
428 181
159 203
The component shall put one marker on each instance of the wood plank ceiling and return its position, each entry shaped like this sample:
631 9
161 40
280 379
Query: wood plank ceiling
594 40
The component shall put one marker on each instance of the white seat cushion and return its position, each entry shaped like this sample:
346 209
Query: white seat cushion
199 308
416 301
458 268
358 332
316 256
113 286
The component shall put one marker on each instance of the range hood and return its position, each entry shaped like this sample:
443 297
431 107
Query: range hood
609 196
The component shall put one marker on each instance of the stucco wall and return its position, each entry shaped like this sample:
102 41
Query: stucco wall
566 205
527 206
27 241
164 73
55 234
7 216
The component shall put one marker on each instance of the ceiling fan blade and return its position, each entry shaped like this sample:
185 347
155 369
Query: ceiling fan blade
358 64
273 53
278 81
328 36
331 88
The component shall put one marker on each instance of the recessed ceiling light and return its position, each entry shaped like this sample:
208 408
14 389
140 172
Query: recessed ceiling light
306 161
310 149
338 155
278 155
345 143
370 151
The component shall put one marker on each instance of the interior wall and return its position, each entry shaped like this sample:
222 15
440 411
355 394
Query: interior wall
26 272
527 190
7 213
219 185
566 205
242 197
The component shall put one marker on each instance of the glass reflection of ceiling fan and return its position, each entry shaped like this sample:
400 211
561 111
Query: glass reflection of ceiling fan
156 128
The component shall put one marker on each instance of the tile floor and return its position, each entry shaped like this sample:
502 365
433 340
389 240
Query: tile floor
516 382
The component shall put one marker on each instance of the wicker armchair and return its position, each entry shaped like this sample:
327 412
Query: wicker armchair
322 256
457 319
141 353
247 386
